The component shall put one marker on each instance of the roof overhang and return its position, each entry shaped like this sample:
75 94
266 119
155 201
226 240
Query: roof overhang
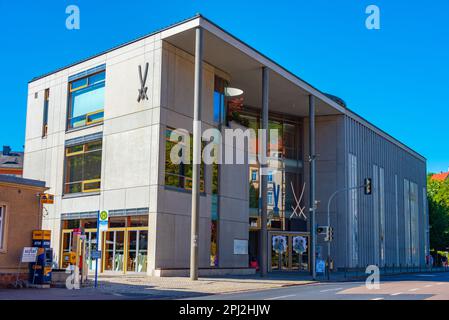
288 94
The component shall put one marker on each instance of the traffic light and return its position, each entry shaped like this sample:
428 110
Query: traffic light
368 186
327 231
329 234
321 229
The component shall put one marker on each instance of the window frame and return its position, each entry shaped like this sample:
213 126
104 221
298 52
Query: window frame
85 150
3 227
219 89
45 113
254 175
88 123
186 180
270 200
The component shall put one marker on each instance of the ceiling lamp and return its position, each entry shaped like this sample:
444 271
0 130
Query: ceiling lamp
232 92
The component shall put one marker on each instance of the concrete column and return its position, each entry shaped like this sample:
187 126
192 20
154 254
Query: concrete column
196 153
263 171
312 184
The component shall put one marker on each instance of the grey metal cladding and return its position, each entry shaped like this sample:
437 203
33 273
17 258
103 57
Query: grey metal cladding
372 149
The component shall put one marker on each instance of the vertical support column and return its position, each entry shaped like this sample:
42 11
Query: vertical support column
263 173
196 153
312 193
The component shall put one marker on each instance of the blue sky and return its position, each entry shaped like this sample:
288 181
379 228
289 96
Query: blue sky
396 77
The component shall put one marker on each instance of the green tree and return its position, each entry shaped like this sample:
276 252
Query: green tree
438 198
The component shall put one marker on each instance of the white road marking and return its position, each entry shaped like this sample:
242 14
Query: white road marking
414 289
396 294
377 299
280 297
440 283
335 289
428 285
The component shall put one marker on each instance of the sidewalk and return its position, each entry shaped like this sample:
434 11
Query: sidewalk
177 287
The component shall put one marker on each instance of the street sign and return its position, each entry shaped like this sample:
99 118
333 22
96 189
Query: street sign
29 254
103 220
320 266
95 254
47 198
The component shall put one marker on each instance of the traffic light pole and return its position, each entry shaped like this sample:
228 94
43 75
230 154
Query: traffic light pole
329 222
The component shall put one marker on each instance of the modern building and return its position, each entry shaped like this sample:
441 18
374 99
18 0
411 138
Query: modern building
20 214
11 162
98 132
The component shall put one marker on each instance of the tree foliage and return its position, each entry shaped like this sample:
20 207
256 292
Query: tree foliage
438 197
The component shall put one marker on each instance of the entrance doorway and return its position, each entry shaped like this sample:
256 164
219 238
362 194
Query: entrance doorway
124 244
114 250
288 251
137 251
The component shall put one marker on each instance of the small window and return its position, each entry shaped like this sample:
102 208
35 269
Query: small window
45 115
86 100
2 227
253 175
137 221
270 176
219 100
270 197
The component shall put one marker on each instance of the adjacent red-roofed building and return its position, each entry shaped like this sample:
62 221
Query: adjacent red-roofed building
441 176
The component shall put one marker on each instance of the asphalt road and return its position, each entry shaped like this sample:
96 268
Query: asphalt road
401 287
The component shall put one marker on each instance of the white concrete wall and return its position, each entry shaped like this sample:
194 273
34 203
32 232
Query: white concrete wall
130 135
174 207
133 159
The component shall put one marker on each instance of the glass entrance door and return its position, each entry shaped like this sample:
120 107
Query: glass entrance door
114 250
91 245
289 251
137 251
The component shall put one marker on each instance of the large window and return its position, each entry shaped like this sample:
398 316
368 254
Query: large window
179 175
45 115
83 167
86 100
2 227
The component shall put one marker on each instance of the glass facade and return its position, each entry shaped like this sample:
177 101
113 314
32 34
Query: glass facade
285 171
125 243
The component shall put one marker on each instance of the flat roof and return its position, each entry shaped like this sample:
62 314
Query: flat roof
323 95
22 181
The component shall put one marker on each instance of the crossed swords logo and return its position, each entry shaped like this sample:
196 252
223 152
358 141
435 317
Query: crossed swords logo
297 209
143 79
